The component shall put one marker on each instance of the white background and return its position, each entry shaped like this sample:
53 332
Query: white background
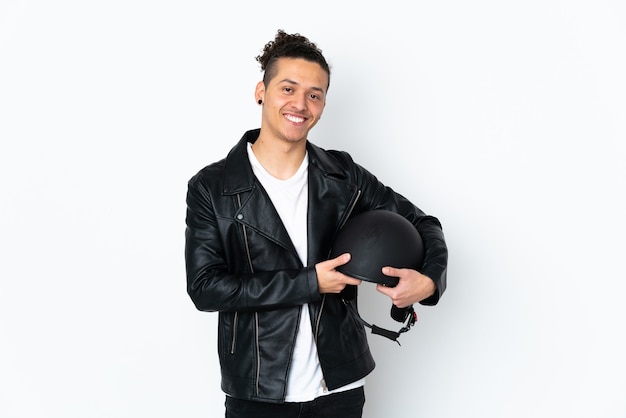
504 119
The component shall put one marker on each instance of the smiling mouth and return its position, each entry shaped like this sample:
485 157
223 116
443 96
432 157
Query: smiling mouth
295 119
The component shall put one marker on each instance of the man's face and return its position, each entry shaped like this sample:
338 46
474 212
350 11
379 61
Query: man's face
293 100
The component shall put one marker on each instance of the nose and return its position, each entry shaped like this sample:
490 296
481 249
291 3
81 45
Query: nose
299 101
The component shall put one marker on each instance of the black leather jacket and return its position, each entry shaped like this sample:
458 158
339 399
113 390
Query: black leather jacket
241 262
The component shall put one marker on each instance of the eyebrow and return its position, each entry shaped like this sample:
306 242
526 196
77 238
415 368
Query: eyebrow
287 80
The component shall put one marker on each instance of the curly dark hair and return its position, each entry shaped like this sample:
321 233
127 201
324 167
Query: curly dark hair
287 45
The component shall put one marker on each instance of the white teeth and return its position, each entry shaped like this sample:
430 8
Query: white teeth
294 119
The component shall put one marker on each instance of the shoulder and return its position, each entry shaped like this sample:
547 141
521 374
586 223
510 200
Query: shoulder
234 166
330 161
208 174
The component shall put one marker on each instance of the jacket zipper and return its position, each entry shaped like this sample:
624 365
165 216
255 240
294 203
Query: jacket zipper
356 199
256 314
235 320
319 318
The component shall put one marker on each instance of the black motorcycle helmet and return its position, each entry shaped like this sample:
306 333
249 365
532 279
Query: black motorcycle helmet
376 239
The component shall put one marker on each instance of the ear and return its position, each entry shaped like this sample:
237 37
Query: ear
259 91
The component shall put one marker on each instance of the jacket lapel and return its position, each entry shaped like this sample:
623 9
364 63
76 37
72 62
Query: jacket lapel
331 198
254 207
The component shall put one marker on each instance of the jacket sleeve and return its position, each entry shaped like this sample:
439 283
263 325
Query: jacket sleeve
435 263
375 195
218 277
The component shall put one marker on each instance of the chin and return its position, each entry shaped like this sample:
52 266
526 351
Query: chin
296 138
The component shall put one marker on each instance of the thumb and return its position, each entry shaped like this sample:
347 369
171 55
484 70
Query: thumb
340 260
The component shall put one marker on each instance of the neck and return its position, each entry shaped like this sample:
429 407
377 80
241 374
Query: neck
281 160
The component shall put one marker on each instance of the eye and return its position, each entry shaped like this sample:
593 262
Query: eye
288 90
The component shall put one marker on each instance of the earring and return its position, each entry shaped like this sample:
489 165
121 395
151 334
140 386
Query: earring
260 101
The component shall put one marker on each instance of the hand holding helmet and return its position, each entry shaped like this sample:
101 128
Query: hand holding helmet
329 280
377 239
412 287
385 248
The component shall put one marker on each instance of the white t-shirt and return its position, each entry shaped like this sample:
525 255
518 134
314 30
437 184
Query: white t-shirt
290 198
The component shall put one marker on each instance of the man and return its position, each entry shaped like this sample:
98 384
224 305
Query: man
260 226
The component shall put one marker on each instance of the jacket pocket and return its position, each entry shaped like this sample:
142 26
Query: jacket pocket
227 333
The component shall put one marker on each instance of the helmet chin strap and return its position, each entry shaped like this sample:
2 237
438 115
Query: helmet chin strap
399 314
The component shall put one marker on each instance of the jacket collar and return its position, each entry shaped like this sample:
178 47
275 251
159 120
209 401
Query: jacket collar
238 175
